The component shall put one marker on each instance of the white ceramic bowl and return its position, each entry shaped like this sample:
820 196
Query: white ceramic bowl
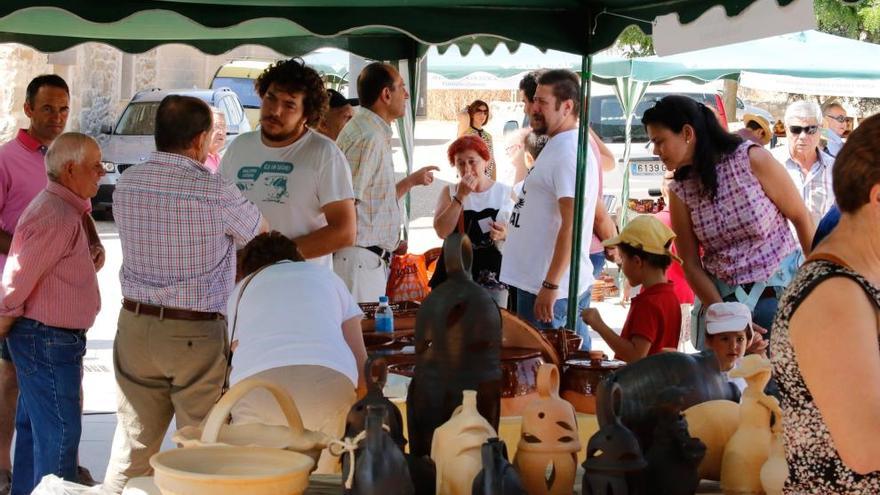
231 471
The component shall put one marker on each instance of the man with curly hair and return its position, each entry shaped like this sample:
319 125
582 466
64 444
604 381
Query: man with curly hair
298 178
366 142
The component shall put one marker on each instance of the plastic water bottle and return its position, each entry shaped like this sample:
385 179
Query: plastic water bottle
384 316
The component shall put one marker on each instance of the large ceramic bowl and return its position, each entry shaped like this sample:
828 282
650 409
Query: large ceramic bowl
231 471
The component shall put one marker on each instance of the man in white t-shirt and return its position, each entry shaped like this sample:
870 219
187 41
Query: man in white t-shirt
298 178
537 253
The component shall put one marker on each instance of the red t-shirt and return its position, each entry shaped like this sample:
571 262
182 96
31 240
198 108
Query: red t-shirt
675 273
655 315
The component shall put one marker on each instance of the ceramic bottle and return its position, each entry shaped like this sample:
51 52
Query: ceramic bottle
458 347
457 445
546 456
748 448
497 477
775 470
379 467
713 422
355 422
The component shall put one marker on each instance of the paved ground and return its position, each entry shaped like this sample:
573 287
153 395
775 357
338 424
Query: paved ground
99 384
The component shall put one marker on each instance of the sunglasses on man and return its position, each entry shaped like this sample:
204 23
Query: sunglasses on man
796 130
841 119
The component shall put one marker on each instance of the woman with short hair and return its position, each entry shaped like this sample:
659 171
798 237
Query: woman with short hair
478 116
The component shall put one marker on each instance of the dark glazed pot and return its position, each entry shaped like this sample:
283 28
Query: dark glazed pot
581 378
379 466
458 347
642 383
498 477
355 422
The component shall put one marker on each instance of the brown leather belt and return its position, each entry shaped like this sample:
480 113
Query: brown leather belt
169 313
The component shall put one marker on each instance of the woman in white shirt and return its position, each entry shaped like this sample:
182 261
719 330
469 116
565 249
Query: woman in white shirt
296 325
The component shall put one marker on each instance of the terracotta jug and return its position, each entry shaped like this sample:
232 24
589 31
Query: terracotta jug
379 465
376 373
642 382
674 455
546 456
458 347
713 422
614 463
456 447
497 477
748 448
775 470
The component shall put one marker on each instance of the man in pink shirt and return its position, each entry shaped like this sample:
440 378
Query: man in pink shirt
49 299
22 177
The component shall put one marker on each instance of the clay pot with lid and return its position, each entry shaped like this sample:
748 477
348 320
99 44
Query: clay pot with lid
546 456
456 448
457 346
581 378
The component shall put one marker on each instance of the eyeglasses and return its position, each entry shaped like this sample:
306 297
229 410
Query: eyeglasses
841 119
796 130
482 110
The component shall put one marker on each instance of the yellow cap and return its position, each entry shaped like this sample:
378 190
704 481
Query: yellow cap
648 234
761 121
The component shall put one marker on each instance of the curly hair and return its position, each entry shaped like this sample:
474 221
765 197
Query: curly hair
465 143
294 76
857 168
265 249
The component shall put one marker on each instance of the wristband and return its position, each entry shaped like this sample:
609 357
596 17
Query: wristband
455 198
547 285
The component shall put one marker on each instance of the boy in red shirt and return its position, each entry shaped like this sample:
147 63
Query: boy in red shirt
654 319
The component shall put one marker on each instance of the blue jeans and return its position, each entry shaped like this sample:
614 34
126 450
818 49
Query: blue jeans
525 309
48 422
598 261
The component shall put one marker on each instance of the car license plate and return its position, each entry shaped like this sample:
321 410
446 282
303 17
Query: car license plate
647 168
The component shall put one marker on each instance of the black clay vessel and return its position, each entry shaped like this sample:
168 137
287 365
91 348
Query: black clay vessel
458 347
498 477
380 467
376 373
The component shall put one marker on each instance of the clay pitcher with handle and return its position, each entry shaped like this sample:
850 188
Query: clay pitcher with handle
379 466
457 445
355 422
498 477
546 456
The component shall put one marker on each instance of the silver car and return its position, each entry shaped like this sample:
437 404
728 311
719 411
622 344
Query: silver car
131 140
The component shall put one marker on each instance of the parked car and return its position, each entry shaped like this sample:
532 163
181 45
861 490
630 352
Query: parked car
130 140
239 76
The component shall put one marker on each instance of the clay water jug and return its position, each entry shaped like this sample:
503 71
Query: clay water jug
713 422
458 347
546 456
376 373
748 448
674 455
775 470
457 447
614 463
497 477
643 381
379 466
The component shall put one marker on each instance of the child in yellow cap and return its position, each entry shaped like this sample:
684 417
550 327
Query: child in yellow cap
654 319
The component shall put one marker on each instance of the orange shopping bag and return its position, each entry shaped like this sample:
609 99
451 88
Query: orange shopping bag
408 280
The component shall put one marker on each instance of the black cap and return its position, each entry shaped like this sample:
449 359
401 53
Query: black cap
337 100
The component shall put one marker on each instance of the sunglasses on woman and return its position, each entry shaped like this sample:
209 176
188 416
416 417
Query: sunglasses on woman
841 119
796 130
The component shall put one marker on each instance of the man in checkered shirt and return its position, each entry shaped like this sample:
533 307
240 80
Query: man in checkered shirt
180 226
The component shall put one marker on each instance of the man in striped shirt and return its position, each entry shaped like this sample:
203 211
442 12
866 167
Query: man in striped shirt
49 299
179 225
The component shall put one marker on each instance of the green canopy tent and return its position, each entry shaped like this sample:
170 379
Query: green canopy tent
379 29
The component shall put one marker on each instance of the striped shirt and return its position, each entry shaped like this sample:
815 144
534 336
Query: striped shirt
49 275
366 142
816 186
180 226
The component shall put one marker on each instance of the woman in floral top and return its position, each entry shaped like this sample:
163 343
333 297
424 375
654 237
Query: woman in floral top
731 198
478 114
826 352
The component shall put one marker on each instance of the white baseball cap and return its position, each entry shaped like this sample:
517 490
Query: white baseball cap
728 317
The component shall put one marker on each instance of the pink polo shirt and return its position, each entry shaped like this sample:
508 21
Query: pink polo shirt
22 177
50 276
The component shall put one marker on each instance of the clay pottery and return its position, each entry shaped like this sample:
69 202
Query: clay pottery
376 373
642 382
566 342
379 467
214 430
581 378
775 470
516 332
546 456
614 461
231 471
497 477
674 455
713 422
457 445
749 447
458 347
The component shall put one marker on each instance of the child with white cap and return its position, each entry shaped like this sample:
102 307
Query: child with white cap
728 333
